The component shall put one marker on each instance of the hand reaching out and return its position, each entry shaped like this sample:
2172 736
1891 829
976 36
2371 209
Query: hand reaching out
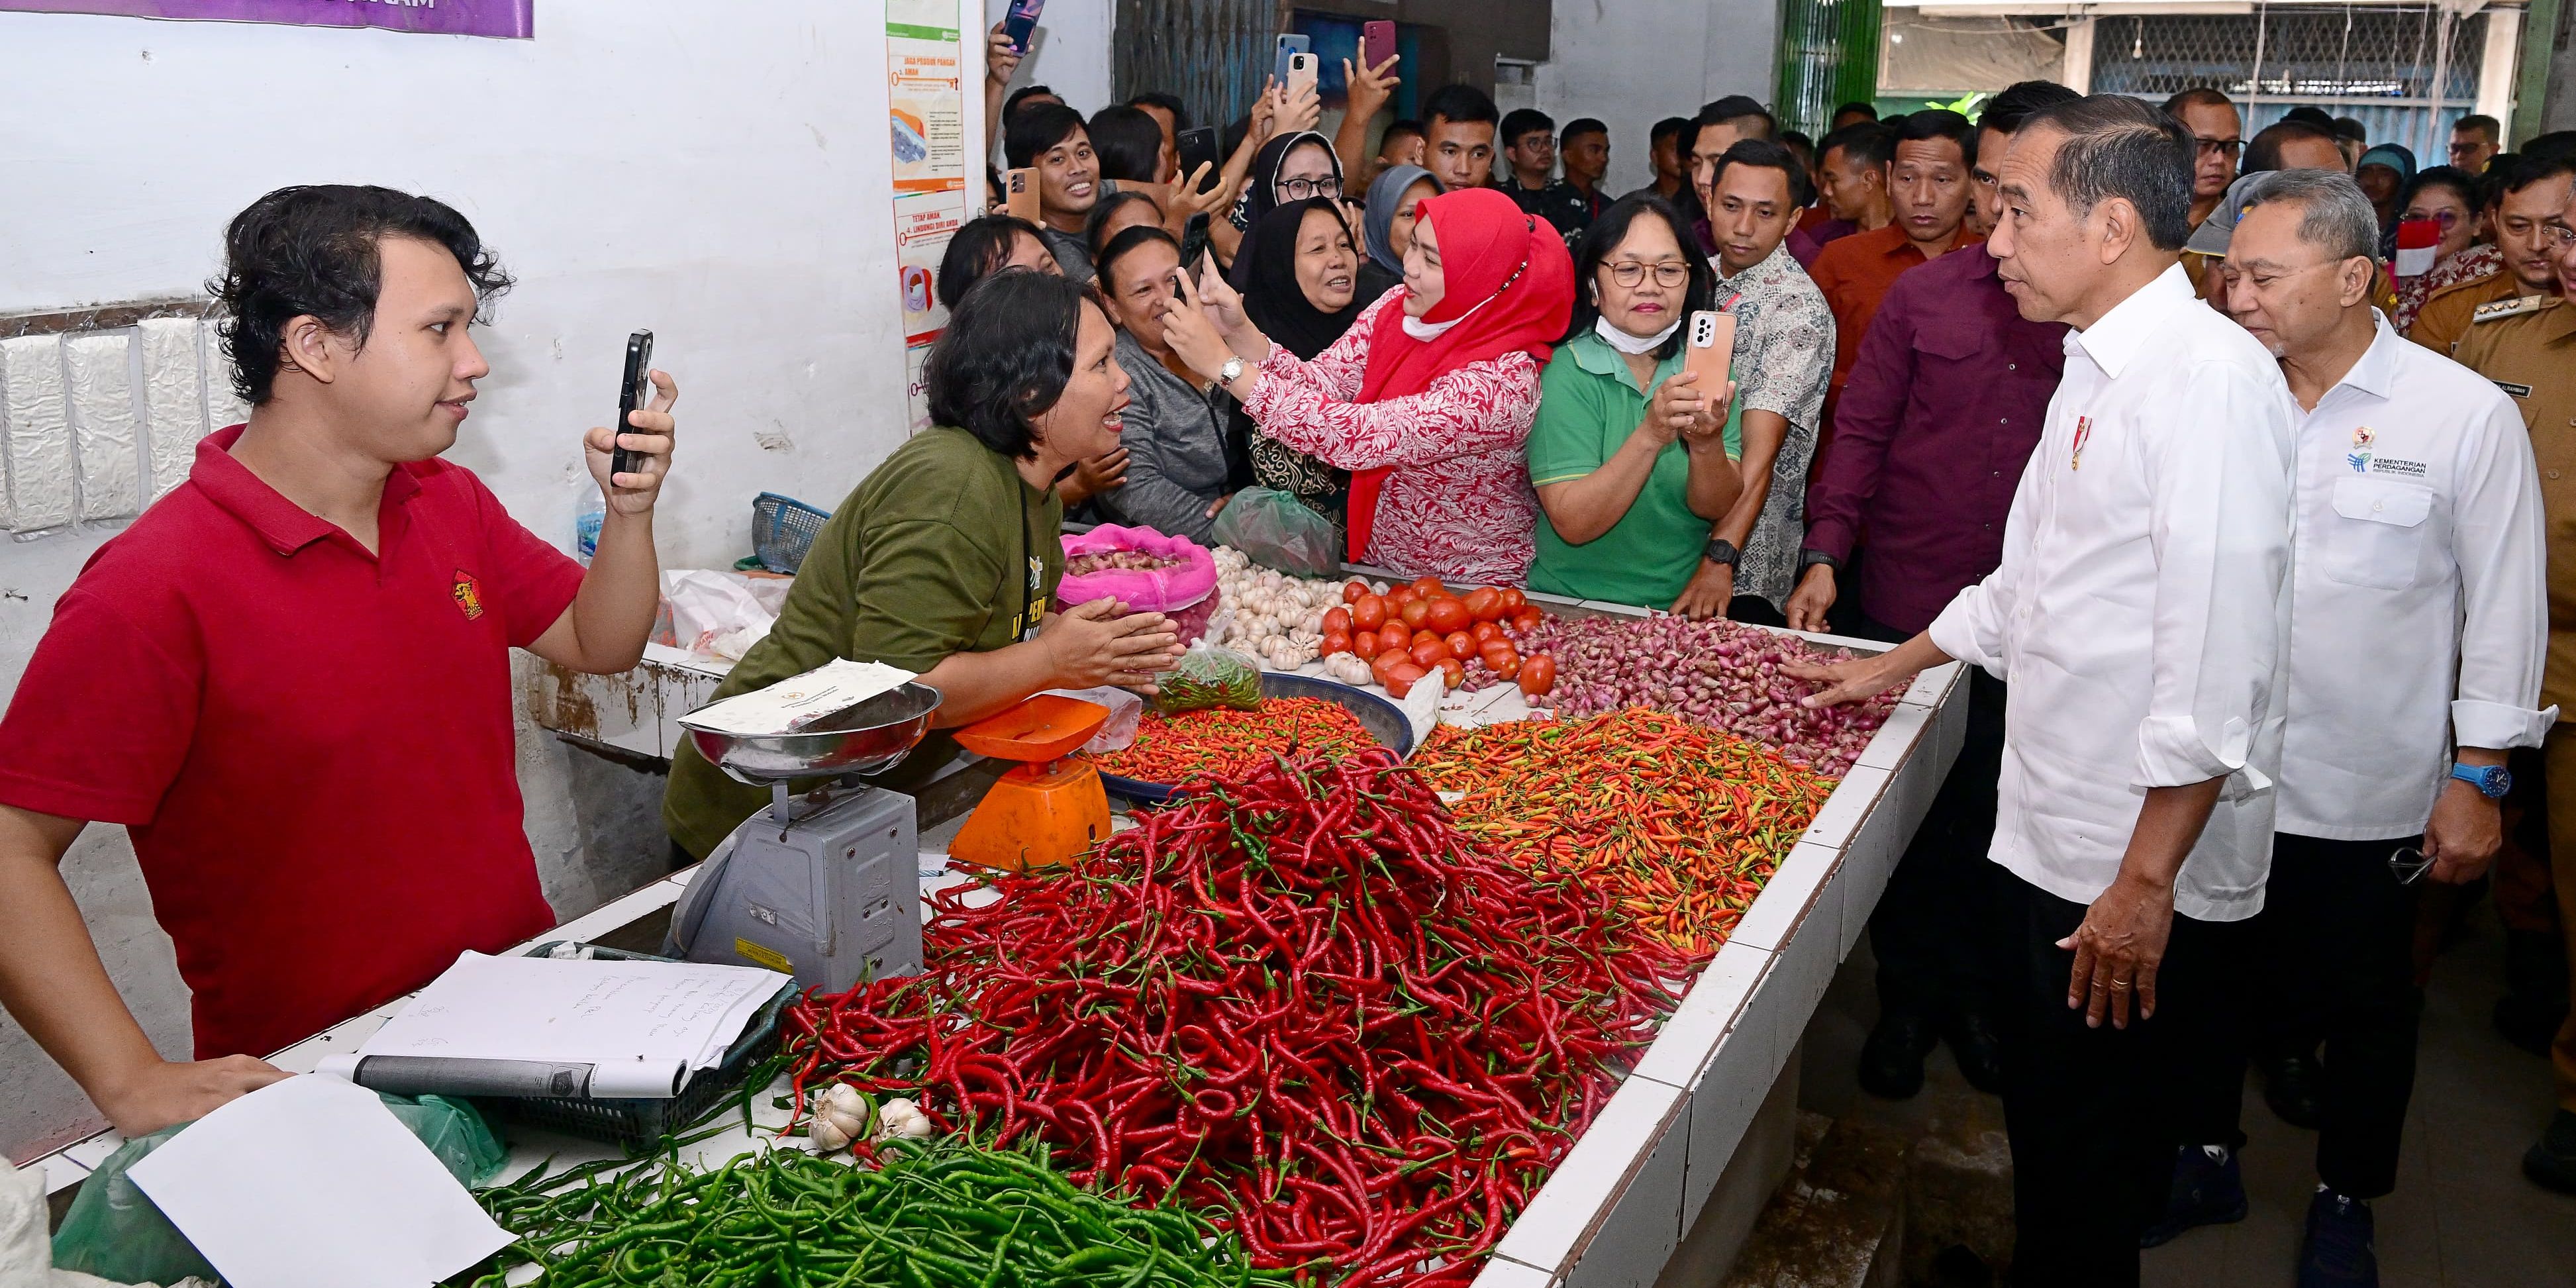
1001 57
1370 88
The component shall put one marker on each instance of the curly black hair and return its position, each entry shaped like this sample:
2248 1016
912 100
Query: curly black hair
311 250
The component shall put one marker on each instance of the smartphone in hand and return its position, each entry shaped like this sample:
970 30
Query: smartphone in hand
1377 43
1288 46
1199 148
1020 194
1020 21
632 396
1301 74
1708 350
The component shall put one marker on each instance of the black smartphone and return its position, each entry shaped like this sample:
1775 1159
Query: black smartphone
631 396
1020 21
1199 148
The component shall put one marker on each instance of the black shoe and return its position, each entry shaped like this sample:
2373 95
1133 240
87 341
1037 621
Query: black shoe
2535 997
1981 1056
1891 1061
2205 1191
2551 1160
2290 1088
2336 1251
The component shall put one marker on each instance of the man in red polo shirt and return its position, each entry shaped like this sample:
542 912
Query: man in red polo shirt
1928 185
290 678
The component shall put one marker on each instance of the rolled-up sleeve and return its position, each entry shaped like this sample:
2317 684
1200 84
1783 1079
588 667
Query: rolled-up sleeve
2219 524
2501 545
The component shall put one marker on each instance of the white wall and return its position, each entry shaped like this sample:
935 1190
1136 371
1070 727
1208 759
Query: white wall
1634 62
718 173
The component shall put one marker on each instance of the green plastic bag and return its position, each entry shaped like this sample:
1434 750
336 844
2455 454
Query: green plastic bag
1276 530
113 1230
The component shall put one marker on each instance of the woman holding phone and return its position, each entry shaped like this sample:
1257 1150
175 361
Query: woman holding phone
1632 455
1298 278
1428 398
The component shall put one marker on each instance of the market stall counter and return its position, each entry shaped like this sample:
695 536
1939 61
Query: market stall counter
1686 1149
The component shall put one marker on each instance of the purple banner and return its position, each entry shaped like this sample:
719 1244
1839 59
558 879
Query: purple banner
512 18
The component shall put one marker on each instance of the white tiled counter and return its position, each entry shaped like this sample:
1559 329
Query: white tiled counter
1637 1182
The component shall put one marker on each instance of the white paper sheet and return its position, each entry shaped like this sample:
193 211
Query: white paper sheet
590 1012
312 1183
799 700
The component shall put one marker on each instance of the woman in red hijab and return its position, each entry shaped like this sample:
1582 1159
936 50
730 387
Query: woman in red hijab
1427 399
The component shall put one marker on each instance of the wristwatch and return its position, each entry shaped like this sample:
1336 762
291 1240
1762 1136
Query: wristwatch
1722 551
1230 372
2491 780
1810 558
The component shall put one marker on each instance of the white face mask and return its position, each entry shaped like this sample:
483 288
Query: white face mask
1421 330
1633 345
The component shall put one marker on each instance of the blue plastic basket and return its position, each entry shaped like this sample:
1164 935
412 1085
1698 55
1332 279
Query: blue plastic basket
782 531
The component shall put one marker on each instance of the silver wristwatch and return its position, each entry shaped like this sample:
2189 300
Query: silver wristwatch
1230 372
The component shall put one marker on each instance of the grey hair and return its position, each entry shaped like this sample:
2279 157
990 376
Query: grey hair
2335 217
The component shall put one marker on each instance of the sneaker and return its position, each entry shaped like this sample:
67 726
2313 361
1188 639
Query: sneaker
2551 1161
2205 1191
2336 1251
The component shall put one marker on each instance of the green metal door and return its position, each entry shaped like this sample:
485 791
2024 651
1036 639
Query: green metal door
1828 56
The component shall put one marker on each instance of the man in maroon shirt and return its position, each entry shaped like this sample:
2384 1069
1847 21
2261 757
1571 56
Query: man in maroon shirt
290 678
1944 405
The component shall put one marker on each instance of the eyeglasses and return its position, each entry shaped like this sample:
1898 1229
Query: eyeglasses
2228 148
2409 865
1631 273
2560 236
1301 189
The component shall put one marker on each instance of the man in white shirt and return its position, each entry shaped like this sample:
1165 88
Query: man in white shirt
2418 629
2139 614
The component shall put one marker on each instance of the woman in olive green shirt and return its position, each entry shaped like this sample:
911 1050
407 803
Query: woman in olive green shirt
943 560
1631 459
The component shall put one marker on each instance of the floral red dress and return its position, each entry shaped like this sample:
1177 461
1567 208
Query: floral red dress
1457 503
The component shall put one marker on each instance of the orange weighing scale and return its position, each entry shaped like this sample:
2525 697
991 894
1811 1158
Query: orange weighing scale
1047 808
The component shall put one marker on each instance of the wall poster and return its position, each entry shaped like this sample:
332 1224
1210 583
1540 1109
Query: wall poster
511 18
925 79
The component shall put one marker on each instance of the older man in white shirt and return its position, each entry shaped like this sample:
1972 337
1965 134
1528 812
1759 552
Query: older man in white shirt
2418 629
2140 615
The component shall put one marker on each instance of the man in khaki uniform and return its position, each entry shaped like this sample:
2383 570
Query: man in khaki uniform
2527 346
2526 196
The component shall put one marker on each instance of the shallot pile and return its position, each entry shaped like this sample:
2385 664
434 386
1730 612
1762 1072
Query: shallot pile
1123 560
1717 673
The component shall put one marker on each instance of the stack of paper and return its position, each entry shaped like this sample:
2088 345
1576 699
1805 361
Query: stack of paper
641 1023
799 700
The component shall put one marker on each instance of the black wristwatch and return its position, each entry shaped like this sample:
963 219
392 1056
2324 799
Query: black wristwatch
1810 558
1721 551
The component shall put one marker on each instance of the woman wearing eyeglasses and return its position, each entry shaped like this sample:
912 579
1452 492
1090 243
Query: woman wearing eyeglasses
1292 167
1631 458
2448 197
1427 400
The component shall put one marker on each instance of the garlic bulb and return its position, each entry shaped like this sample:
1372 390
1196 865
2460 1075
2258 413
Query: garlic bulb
901 1117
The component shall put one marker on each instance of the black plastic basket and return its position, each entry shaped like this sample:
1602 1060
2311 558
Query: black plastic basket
782 531
632 1124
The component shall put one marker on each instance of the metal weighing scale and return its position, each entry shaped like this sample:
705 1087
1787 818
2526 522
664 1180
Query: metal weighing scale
825 885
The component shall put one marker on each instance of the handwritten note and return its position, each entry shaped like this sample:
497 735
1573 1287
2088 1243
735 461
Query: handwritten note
535 1008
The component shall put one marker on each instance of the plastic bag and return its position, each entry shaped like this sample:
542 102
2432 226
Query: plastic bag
719 614
1209 676
1126 711
113 1231
1276 530
1184 591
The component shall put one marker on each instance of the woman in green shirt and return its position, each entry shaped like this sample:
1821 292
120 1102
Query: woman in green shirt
943 560
1631 459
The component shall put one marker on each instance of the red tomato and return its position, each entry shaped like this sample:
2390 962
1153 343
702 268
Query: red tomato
1336 619
1337 642
1364 643
1485 603
1513 599
1423 637
1401 596
1495 649
1453 672
1447 614
1368 612
1415 613
1391 656
1485 630
1461 644
1504 665
1353 589
1527 620
1400 679
1428 587
1428 654
1538 675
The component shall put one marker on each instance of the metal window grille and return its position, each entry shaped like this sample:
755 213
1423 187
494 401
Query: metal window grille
2376 63
1213 53
1828 56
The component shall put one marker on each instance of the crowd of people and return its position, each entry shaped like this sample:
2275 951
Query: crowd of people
2242 471
2322 392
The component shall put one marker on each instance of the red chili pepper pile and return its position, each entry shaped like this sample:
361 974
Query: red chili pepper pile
1302 997
1678 823
1223 741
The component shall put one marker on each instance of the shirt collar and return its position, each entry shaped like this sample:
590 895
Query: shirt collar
1594 354
2375 371
284 525
1747 279
2116 336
